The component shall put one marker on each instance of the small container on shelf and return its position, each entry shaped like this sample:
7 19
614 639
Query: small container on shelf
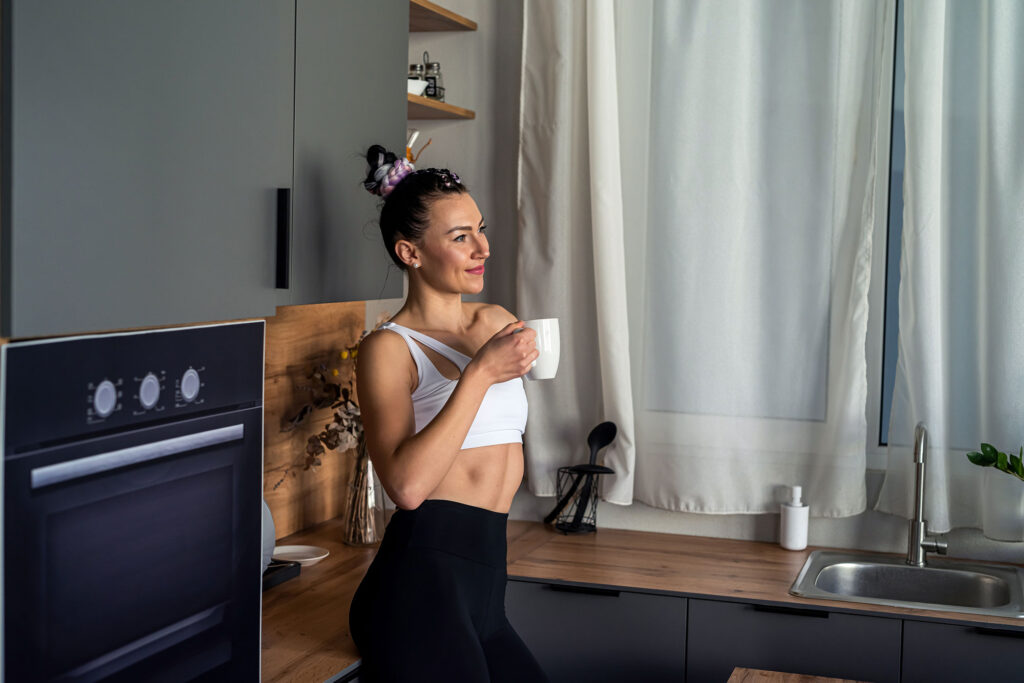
435 81
417 84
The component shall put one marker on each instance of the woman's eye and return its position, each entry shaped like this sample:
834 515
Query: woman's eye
483 228
460 238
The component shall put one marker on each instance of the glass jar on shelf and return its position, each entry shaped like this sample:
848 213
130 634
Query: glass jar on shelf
435 81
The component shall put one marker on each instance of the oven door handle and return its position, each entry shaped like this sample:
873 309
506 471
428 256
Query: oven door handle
112 460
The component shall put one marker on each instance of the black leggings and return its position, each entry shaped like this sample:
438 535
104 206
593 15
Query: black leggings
432 604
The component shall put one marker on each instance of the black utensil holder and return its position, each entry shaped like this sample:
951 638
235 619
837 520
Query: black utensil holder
567 521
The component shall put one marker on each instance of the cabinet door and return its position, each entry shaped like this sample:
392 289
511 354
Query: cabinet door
350 61
592 635
143 144
725 635
948 652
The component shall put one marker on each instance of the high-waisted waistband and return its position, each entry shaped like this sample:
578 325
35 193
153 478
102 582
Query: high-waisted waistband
474 533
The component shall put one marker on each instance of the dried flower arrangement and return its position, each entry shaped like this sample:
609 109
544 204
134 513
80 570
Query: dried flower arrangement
343 433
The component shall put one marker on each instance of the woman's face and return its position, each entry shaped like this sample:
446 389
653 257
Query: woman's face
453 248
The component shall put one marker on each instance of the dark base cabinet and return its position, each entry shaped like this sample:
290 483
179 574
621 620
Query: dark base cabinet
949 652
584 634
725 635
592 635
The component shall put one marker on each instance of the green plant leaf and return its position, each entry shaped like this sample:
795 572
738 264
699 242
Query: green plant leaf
989 450
1018 466
1015 465
1002 462
981 459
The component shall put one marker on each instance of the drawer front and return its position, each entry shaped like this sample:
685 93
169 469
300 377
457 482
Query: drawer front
725 635
947 652
582 635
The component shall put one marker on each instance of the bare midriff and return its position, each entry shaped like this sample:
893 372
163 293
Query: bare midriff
486 477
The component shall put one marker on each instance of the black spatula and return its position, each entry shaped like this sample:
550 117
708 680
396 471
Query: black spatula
599 437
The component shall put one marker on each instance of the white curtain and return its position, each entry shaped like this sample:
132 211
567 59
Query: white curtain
571 264
961 360
765 123
750 168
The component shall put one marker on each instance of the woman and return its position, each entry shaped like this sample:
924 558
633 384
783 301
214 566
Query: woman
444 410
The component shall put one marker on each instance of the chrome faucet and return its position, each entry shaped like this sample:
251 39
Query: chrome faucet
918 544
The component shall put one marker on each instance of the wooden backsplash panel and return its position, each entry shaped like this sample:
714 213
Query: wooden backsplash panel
298 338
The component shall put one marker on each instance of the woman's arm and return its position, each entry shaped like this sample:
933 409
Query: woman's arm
412 465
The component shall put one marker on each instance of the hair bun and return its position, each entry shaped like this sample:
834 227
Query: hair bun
386 170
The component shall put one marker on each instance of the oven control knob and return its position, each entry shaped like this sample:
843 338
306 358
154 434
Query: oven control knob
190 385
149 391
105 398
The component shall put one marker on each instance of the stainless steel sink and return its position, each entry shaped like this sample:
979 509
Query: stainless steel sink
996 590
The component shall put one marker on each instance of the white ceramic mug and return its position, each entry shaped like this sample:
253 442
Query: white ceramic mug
547 342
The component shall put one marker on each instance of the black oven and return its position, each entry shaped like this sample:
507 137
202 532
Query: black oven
131 517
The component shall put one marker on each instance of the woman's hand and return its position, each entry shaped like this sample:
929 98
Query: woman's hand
508 354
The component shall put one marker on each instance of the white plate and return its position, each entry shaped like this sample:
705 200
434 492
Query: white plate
305 555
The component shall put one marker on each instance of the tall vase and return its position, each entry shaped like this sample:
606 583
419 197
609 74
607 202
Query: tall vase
361 526
1002 509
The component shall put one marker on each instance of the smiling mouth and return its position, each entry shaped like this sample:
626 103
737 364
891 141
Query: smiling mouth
479 270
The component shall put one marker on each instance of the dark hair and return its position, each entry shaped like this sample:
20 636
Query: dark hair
405 213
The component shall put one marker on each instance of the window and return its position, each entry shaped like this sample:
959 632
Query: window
894 232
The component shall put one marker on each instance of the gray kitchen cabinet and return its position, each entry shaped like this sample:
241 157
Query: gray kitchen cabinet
725 635
350 68
583 634
951 652
176 162
143 143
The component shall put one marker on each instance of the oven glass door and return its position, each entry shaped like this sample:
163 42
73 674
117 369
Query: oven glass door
135 554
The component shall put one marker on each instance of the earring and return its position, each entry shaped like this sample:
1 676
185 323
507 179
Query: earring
415 265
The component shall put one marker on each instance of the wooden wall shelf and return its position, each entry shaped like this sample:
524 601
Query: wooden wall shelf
425 108
426 16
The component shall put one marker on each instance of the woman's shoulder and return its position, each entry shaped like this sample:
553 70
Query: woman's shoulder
381 341
492 316
384 354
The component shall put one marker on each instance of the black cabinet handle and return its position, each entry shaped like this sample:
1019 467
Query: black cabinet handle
284 229
793 611
1002 633
585 590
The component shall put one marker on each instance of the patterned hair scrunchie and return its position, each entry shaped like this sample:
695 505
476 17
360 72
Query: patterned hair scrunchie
389 175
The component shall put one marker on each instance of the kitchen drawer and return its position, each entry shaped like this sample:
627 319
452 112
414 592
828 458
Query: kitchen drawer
591 635
949 652
724 635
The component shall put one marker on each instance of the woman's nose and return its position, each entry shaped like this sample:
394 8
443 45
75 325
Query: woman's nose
482 247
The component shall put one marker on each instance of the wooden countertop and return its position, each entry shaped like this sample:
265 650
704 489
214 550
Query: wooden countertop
749 571
305 620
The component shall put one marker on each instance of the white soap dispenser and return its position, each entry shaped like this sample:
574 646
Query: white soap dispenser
793 523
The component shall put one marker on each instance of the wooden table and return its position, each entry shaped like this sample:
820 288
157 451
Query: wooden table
740 675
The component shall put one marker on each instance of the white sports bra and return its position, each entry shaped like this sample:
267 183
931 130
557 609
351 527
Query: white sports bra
502 414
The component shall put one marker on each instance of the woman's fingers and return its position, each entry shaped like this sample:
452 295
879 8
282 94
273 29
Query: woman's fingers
511 328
